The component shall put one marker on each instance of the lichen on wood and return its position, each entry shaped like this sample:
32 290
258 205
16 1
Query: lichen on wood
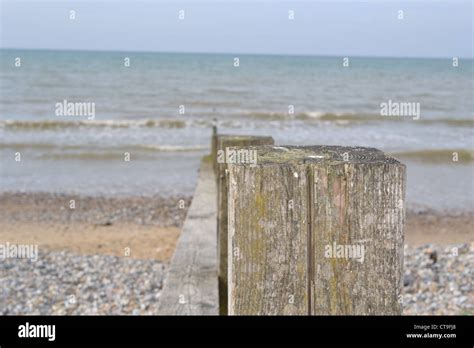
221 143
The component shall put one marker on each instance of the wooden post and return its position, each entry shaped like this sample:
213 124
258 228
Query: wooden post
316 230
222 142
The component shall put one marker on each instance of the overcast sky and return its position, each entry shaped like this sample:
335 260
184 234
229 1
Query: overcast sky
343 28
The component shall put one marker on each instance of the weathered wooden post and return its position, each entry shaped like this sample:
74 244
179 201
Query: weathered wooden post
222 142
316 230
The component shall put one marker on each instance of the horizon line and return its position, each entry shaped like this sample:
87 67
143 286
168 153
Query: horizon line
236 53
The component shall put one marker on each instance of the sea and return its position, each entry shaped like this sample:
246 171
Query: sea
159 108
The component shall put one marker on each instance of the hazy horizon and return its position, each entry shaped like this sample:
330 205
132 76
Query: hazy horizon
438 29
230 53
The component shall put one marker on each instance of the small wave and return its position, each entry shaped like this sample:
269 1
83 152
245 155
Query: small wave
56 124
173 148
308 117
44 146
134 152
453 122
84 150
313 116
97 156
437 156
347 118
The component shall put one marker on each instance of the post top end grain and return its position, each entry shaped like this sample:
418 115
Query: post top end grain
277 155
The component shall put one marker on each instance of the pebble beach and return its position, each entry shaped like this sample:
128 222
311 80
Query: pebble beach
82 269
61 283
439 280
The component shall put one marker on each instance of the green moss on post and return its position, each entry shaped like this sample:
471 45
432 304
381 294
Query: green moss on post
222 142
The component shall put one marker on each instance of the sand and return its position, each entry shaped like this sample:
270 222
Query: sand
136 227
150 226
126 239
441 229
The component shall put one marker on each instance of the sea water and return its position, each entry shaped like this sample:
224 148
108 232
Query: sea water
160 109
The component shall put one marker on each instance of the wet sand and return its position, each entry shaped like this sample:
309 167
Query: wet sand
135 227
441 229
125 239
150 226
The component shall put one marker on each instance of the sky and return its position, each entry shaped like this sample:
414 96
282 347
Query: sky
333 28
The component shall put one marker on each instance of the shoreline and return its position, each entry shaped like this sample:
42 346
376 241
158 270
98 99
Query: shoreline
135 227
151 225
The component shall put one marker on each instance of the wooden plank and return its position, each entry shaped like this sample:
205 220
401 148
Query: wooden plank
267 241
220 143
191 285
341 197
358 209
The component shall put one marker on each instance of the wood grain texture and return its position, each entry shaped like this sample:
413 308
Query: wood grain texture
343 197
358 207
223 141
191 285
267 240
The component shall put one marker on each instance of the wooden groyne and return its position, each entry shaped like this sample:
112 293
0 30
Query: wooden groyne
191 285
300 231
